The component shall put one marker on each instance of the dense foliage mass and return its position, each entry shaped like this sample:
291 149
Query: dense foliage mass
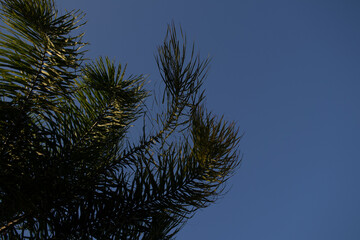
67 170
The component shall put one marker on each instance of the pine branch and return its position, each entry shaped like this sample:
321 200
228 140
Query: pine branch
10 224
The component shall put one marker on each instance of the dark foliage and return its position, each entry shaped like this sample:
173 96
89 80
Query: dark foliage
66 169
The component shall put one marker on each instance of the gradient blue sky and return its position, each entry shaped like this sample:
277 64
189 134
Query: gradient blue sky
287 71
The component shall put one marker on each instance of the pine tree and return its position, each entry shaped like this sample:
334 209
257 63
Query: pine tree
67 167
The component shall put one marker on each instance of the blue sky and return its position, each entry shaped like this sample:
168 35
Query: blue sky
287 71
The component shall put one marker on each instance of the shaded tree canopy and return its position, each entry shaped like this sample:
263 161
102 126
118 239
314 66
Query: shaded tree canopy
68 169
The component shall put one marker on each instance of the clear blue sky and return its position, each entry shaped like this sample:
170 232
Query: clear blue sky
288 72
